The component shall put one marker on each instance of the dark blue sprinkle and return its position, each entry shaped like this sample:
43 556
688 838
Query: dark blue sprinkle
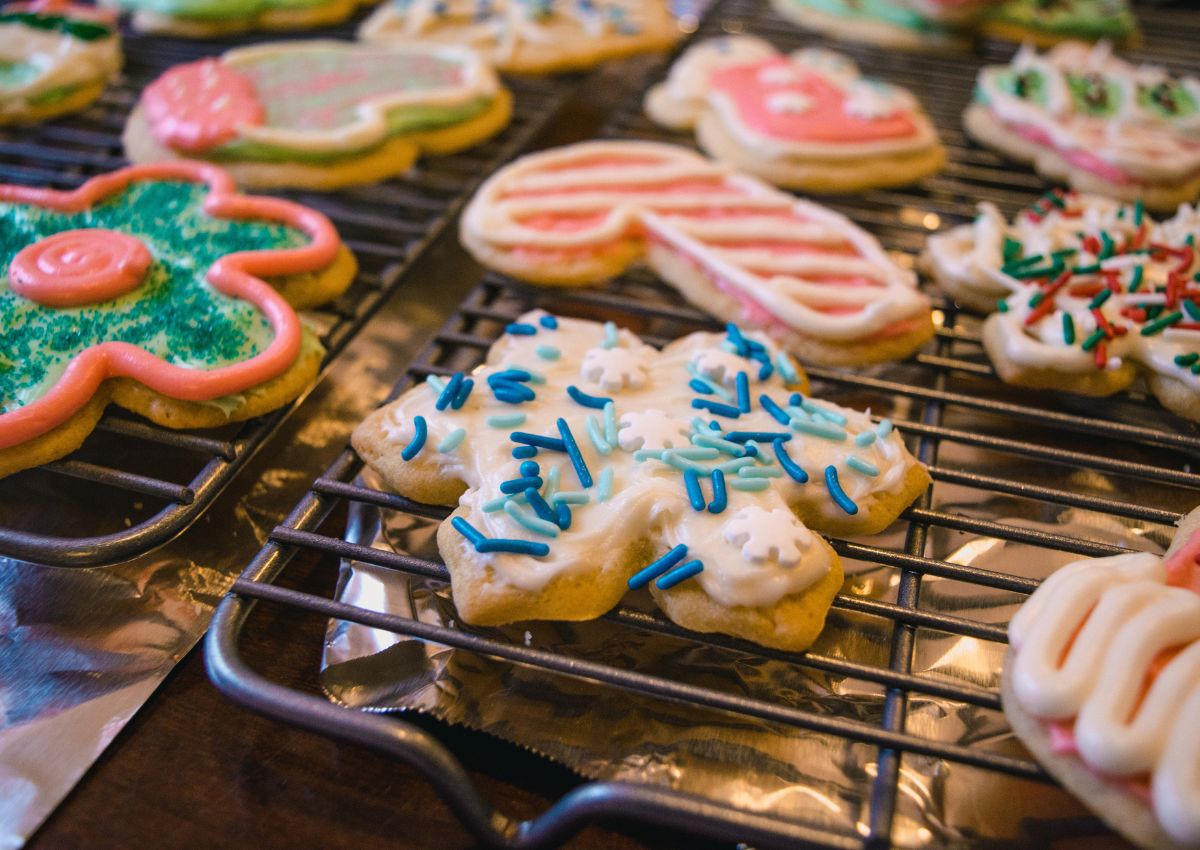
735 336
679 575
530 469
656 568
551 443
777 413
521 329
757 436
519 375
449 392
521 452
717 407
513 393
464 392
580 397
518 547
765 370
548 322
796 400
835 490
473 534
562 512
719 499
691 480
700 387
539 505
418 441
576 456
516 485
743 392
789 466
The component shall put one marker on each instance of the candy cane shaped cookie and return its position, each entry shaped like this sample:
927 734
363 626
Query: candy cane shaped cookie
1102 683
740 249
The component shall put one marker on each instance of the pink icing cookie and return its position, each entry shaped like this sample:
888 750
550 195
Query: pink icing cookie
733 245
806 121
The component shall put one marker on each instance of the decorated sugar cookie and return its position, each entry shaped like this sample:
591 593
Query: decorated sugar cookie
584 463
1102 684
529 36
1081 115
742 250
318 114
806 121
906 24
214 18
1047 22
147 287
55 58
1093 292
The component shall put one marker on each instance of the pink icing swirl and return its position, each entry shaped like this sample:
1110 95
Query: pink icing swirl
78 267
200 105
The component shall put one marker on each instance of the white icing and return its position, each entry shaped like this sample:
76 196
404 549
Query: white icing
1143 144
649 500
789 279
869 99
59 59
789 102
1084 645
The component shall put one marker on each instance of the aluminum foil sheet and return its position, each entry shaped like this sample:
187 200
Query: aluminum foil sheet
815 779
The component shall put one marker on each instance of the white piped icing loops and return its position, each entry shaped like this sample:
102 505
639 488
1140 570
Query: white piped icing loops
1108 650
790 264
559 467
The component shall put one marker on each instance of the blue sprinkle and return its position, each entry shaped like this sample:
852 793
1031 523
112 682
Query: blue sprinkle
507 376
787 369
552 482
765 370
518 485
496 504
719 498
521 329
656 568
884 428
548 322
610 336
534 377
464 392
719 408
474 535
505 420
865 439
517 547
540 506
452 440
597 438
751 485
760 436
551 443
529 521
530 469
714 425
700 387
759 472
691 480
610 424
736 338
712 386
819 429
547 352
789 466
860 465
571 497
606 483
511 392
727 446
777 413
731 466
449 392
835 490
743 392
752 450
562 516
580 397
436 383
418 441
679 575
796 400
522 452
581 470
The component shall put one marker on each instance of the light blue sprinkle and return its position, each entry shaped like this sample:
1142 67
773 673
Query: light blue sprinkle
818 410
571 497
860 465
735 465
697 453
760 472
505 420
671 458
798 413
493 505
610 424
643 455
552 483
819 429
787 369
884 428
697 375
726 446
535 524
865 439
610 336
604 489
593 430
726 345
452 440
547 352
752 485
436 383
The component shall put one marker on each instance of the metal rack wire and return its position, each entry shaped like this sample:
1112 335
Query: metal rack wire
1120 459
154 481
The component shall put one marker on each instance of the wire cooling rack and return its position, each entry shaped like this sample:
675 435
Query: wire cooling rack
1121 461
154 482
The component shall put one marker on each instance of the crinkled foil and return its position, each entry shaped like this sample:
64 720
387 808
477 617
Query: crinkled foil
812 778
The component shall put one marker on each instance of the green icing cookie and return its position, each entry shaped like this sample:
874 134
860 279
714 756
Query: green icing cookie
174 314
1091 19
1095 95
215 10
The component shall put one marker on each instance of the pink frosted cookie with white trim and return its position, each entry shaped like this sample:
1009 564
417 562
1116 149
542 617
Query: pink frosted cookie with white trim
743 250
318 114
1082 115
1102 684
583 462
806 121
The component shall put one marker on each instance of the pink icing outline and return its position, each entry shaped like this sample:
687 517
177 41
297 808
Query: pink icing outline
184 122
237 275
99 276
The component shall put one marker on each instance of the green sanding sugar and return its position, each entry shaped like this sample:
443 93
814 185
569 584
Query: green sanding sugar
175 314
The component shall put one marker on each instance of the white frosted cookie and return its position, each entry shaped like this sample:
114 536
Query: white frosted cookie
745 251
55 58
583 462
1082 115
547 36
1092 293
806 121
1102 684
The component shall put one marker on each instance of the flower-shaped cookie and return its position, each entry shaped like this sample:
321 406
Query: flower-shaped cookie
697 481
745 251
1082 115
55 58
318 113
806 121
146 285
1092 293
